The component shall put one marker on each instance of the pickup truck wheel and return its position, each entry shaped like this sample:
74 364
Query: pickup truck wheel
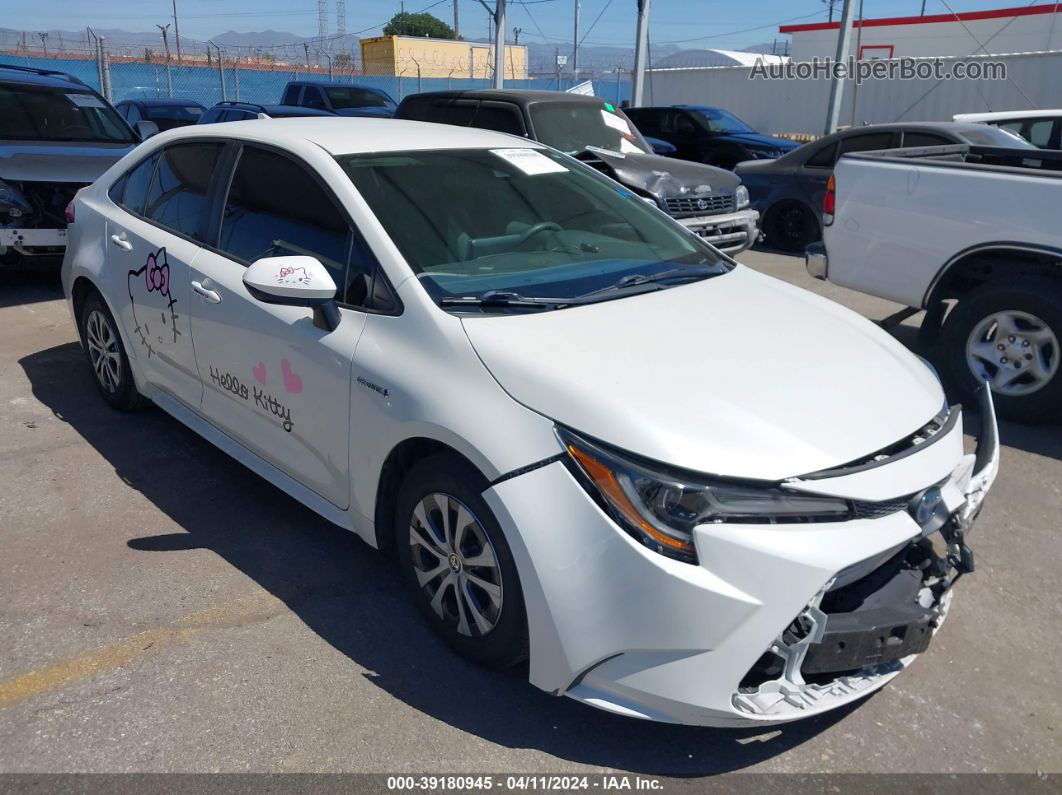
791 226
106 355
457 563
1009 335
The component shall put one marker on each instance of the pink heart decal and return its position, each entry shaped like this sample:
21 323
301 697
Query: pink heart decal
292 380
259 371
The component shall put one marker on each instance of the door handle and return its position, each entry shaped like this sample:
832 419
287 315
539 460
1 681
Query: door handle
210 296
120 241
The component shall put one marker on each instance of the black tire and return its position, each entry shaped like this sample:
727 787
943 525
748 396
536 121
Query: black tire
791 226
505 642
114 380
1040 298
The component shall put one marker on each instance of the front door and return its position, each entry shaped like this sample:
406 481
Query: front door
154 243
272 379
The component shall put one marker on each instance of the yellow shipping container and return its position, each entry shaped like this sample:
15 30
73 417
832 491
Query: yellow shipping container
412 56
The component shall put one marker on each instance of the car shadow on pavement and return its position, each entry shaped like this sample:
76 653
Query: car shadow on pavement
22 286
351 596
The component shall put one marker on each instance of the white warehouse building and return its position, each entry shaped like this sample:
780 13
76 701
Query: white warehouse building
1004 30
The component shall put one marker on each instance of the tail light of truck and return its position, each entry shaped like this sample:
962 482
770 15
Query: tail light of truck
69 213
829 201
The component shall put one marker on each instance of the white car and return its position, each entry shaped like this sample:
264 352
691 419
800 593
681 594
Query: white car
1042 128
687 491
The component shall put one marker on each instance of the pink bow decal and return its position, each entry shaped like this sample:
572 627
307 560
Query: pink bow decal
157 276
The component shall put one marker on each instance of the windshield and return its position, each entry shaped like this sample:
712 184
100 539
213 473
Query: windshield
573 126
169 116
351 97
528 221
38 113
720 121
994 136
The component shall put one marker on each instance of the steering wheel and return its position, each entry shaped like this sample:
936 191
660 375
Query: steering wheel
537 229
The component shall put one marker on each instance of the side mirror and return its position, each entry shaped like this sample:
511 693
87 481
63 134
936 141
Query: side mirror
295 281
661 147
145 128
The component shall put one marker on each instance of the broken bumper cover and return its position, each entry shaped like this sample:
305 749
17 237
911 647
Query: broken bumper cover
622 628
730 233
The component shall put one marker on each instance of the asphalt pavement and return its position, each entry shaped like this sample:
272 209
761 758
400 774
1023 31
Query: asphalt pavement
163 609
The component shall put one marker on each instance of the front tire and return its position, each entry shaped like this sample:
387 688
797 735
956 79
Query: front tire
457 563
106 355
1009 334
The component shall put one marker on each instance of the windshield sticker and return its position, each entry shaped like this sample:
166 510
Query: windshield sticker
149 292
268 403
86 100
610 107
627 146
616 122
530 161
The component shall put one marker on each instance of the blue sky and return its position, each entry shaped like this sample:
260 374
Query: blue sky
690 23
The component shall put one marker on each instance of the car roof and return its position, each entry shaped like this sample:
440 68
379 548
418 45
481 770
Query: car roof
345 135
528 97
1007 114
10 73
164 103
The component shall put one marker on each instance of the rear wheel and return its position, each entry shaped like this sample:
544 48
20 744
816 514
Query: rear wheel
457 562
106 355
791 226
1010 335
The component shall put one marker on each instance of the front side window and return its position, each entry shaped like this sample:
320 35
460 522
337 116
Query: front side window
276 208
353 97
177 194
169 116
39 113
573 126
530 221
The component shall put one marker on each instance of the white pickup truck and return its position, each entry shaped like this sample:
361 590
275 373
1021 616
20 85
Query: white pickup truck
973 236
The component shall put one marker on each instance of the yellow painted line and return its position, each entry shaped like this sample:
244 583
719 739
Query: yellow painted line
83 666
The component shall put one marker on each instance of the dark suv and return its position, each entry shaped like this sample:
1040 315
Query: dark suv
57 135
241 111
708 135
343 99
710 202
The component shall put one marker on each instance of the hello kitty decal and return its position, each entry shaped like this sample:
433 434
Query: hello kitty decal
149 292
290 275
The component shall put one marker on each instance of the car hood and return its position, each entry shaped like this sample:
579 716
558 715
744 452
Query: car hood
58 161
661 177
757 141
739 375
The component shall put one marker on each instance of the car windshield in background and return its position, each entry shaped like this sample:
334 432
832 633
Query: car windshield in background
720 121
528 222
994 136
35 113
169 116
573 126
348 97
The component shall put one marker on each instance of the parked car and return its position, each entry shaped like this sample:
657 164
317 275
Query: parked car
788 192
708 135
978 249
1042 128
241 111
166 113
584 435
343 99
707 200
56 136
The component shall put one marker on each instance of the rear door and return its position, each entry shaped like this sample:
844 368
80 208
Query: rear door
154 242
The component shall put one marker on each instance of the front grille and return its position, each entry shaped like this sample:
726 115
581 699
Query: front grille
702 205
876 510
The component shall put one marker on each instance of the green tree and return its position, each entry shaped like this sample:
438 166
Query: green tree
407 24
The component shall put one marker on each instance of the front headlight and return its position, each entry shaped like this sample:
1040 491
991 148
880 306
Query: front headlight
741 197
660 508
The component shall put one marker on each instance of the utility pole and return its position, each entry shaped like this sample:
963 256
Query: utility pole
457 28
44 42
844 35
499 44
166 46
516 35
575 46
641 53
221 73
176 31
306 50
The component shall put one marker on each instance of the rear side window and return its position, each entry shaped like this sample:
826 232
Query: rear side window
500 118
867 143
824 158
312 98
1038 132
130 191
924 139
457 112
177 193
276 208
291 95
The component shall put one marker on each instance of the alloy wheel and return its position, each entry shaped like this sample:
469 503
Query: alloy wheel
1016 352
104 352
456 565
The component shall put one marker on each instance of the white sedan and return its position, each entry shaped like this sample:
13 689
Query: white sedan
686 491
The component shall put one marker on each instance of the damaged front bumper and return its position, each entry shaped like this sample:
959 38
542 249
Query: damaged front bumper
730 233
